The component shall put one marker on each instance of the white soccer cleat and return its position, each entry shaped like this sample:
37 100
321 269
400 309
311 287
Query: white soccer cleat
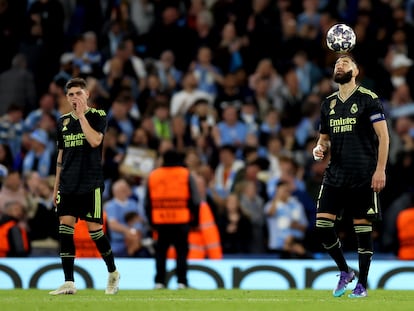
113 283
182 286
68 288
159 286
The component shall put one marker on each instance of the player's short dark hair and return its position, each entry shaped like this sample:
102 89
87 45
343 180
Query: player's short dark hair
76 82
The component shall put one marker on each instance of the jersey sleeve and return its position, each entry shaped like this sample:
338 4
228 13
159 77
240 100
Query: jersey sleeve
98 120
375 111
373 106
59 137
324 126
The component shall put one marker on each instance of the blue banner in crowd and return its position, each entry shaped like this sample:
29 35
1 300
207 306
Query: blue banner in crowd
251 274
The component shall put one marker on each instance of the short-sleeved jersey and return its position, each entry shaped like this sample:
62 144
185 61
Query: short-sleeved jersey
354 144
81 164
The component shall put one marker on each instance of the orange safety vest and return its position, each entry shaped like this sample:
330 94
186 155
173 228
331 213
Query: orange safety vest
4 239
169 194
204 242
84 245
405 229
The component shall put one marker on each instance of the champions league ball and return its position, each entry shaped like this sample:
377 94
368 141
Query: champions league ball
340 38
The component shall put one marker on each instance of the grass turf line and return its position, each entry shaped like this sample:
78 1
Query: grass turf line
200 300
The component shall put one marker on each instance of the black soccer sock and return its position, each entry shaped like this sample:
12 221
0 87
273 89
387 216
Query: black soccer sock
67 250
104 247
365 251
325 230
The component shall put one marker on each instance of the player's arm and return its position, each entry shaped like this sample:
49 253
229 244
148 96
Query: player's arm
93 137
378 179
80 105
79 101
57 177
322 147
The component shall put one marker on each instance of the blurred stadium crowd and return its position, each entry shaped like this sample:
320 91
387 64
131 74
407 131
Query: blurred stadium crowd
235 86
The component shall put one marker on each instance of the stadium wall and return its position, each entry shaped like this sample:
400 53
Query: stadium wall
251 274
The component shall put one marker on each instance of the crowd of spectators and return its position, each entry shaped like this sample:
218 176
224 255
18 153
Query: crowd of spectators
235 86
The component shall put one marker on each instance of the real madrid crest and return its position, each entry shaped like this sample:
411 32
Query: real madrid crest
332 104
65 123
354 108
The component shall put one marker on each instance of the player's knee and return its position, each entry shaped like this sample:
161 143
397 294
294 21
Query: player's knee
324 224
66 230
325 231
96 235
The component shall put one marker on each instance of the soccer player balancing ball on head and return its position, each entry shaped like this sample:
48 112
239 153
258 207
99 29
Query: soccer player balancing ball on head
353 130
340 38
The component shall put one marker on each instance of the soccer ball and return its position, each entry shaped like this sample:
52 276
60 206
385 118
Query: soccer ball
340 38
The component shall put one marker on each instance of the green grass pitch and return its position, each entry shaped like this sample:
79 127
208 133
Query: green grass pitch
200 300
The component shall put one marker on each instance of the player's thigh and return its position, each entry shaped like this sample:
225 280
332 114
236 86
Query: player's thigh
365 204
92 210
331 200
68 205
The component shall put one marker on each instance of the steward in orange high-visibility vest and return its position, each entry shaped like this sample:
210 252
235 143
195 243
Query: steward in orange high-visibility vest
405 229
204 241
8 249
85 246
14 241
169 195
172 206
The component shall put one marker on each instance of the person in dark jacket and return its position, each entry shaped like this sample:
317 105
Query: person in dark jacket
172 207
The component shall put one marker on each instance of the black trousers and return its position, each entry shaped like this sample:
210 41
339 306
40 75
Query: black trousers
176 235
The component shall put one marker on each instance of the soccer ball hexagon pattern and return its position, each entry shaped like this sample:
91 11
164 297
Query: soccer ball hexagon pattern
340 38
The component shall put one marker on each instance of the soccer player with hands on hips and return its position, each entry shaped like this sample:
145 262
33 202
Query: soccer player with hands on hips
79 182
354 134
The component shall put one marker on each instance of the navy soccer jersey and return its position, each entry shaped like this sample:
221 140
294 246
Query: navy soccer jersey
354 144
81 164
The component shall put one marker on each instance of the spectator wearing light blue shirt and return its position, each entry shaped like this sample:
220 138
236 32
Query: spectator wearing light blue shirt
230 131
286 222
39 157
46 105
170 77
11 129
126 232
207 74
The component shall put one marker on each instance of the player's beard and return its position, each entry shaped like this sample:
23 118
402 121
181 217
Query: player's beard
343 78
